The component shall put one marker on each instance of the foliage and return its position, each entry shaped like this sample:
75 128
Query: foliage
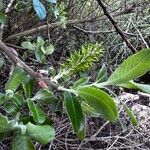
80 95
39 49
137 65
89 94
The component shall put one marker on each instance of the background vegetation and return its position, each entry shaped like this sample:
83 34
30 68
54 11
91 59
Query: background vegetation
44 34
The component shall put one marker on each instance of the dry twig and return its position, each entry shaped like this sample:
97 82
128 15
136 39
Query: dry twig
115 24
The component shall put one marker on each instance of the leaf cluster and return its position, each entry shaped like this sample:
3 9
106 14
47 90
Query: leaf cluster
39 48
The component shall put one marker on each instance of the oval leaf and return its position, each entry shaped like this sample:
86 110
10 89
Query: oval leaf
4 124
28 45
133 67
10 107
16 79
44 95
40 42
43 133
136 86
88 110
40 56
38 115
100 101
21 142
28 87
49 50
75 114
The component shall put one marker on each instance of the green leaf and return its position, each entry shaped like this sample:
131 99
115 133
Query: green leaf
2 98
75 114
49 50
28 45
81 134
131 115
22 142
1 62
38 115
88 110
44 95
100 101
14 104
16 79
40 56
43 133
28 87
102 74
80 82
18 99
136 86
4 124
40 41
133 67
10 107
2 17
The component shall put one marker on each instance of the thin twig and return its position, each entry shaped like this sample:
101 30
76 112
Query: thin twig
140 34
97 32
115 24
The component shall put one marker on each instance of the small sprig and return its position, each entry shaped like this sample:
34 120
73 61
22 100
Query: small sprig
83 59
80 61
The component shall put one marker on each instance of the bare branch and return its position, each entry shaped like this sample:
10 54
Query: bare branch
115 24
44 27
140 34
103 32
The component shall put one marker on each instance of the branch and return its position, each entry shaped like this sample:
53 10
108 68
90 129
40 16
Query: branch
103 32
118 29
140 34
68 22
12 54
44 27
